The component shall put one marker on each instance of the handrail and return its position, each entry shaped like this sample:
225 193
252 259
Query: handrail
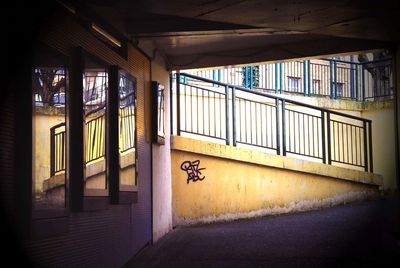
57 126
274 97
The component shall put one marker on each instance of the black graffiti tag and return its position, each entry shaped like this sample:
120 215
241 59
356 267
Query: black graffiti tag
193 171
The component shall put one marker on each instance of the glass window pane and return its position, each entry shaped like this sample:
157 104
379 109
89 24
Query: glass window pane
127 131
95 86
49 132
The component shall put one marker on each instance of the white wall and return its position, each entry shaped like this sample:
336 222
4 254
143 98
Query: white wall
162 189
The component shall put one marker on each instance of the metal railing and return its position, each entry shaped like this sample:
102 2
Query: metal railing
324 77
127 126
95 138
236 115
95 133
57 149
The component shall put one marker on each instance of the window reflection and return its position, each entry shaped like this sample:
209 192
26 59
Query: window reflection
127 131
49 133
95 85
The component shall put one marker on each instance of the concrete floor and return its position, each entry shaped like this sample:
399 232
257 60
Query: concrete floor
358 234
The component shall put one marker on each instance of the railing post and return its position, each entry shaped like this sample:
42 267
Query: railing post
280 77
335 78
309 77
276 78
352 80
304 77
323 137
233 116
52 152
363 82
227 115
365 146
178 104
356 86
371 166
278 142
171 107
283 128
246 77
328 139
331 78
251 76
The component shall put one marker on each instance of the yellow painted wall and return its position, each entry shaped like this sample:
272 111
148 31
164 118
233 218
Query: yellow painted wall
41 141
235 189
383 144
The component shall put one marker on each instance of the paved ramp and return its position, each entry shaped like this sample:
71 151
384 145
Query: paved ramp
364 234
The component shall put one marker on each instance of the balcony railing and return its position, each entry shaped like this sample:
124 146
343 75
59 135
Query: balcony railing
95 137
206 109
318 77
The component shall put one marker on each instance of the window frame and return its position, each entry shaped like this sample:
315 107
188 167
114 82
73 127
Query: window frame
40 213
294 79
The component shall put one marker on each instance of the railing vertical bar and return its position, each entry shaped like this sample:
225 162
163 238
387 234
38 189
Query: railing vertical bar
178 104
197 110
269 129
328 140
371 166
276 78
171 107
356 81
363 82
240 120
52 152
335 79
365 146
291 126
227 115
251 76
191 108
304 133
209 111
304 78
309 77
256 122
352 80
283 129
203 112
62 150
233 116
251 122
278 147
280 78
215 116
318 146
309 135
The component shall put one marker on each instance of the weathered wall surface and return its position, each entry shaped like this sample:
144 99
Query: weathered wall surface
241 183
